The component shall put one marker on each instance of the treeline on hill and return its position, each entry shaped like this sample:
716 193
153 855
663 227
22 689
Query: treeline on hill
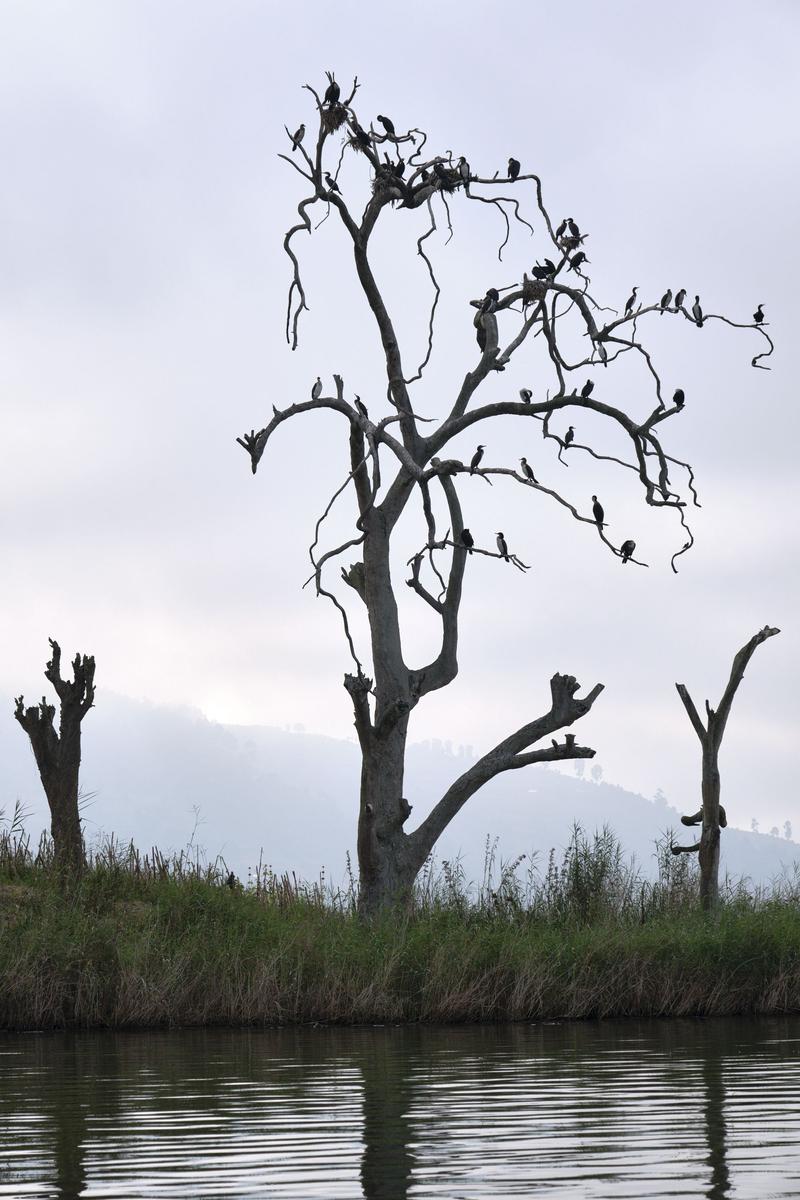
149 939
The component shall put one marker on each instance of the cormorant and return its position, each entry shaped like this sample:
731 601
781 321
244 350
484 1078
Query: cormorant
569 436
562 229
679 398
526 470
513 168
697 312
540 272
587 389
475 460
467 539
361 406
666 299
573 228
577 260
298 136
331 183
551 266
631 301
525 395
502 547
332 91
399 168
627 549
316 390
598 511
758 315
463 169
362 137
680 296
441 173
387 125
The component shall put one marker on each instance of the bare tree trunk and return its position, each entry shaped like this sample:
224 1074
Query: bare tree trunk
58 755
712 814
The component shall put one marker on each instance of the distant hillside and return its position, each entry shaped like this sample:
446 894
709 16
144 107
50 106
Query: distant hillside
292 794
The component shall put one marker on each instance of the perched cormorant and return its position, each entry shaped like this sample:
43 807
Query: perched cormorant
525 395
551 266
573 228
331 183
526 470
758 315
631 301
697 312
569 436
332 91
577 260
387 125
598 511
666 299
502 547
463 169
627 549
475 460
587 389
441 173
679 399
680 296
562 228
361 406
298 136
540 272
513 168
316 390
467 539
362 137
399 168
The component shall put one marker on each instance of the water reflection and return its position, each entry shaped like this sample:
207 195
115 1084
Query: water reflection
619 1109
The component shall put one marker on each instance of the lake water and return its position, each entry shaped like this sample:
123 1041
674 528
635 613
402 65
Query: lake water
614 1109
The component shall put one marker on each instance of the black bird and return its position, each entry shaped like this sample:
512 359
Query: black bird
758 315
332 91
443 176
666 299
513 168
362 137
577 260
399 168
463 170
316 390
298 136
627 549
387 125
540 272
598 511
475 460
493 294
680 296
573 228
562 229
525 395
631 301
331 183
231 881
502 547
569 436
697 312
526 470
361 406
467 539
587 389
679 399
551 266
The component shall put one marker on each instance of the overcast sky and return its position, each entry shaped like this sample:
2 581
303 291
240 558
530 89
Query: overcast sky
142 299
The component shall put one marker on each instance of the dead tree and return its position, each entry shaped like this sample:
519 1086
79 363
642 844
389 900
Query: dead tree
712 815
58 755
400 455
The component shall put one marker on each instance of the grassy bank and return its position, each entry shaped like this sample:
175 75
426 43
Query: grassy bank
149 940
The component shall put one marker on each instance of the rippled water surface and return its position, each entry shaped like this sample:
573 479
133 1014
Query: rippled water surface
634 1109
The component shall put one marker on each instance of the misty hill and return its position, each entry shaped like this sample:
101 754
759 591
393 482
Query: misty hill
152 770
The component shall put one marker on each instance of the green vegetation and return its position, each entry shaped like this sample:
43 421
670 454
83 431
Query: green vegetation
150 940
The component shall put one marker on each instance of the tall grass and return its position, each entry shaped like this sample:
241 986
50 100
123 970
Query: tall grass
170 939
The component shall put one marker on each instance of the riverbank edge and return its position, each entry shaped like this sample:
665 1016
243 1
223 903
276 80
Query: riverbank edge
192 955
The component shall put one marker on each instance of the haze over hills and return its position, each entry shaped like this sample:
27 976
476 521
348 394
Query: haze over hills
160 775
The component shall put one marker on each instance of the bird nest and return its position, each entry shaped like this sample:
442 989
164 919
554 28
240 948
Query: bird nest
333 117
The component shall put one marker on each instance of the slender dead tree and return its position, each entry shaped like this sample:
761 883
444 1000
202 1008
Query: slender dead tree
711 815
58 755
400 456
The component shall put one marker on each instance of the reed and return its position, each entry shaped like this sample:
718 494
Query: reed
148 938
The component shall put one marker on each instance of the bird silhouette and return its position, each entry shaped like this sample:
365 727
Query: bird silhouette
316 390
387 125
476 459
598 511
697 312
666 299
577 261
569 436
525 395
361 407
298 136
467 539
631 301
587 389
331 182
502 547
526 470
332 91
627 549
513 168
680 296
678 398
758 315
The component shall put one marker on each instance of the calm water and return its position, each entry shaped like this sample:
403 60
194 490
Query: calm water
633 1109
